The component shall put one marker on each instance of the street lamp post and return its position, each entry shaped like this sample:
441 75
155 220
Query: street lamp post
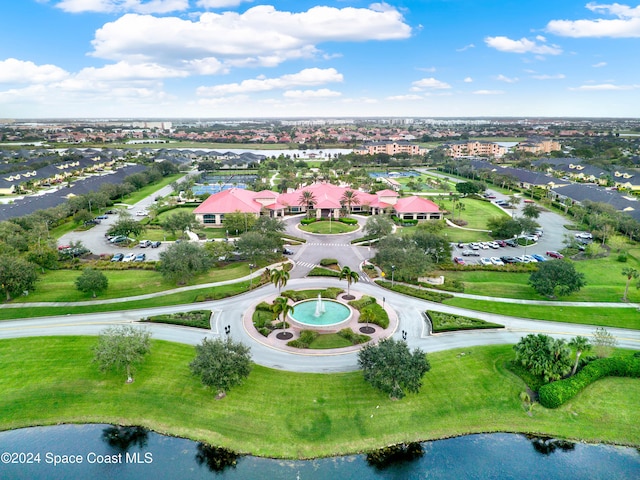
251 266
393 270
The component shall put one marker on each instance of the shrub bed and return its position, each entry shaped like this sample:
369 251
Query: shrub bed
307 221
293 238
366 238
448 285
306 337
195 318
325 262
353 337
299 295
415 292
557 393
379 315
348 221
323 272
446 322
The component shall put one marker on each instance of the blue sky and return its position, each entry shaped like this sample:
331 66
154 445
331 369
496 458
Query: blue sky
332 58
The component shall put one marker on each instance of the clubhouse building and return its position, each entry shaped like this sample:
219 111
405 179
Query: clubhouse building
326 199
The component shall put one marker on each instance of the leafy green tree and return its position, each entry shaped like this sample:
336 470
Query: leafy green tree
282 307
531 211
258 248
603 342
435 246
179 222
468 188
221 364
504 227
126 225
180 261
16 275
378 226
410 261
556 278
581 345
544 356
279 278
392 368
268 225
239 222
121 348
82 216
92 281
630 273
350 198
350 276
219 250
43 255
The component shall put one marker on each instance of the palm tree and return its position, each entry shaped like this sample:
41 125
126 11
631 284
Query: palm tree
281 307
630 273
351 276
581 344
350 197
307 200
279 277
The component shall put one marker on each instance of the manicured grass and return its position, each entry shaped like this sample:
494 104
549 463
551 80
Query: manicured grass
194 318
329 340
53 380
600 316
476 212
465 236
446 322
163 216
328 227
144 192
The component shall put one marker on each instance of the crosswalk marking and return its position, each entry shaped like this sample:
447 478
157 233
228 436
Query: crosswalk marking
306 264
329 244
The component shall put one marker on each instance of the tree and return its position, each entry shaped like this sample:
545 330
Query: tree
121 348
351 276
531 211
279 277
281 307
16 275
307 200
630 273
435 246
378 226
603 342
221 251
180 261
126 225
43 255
392 368
581 344
179 221
268 225
93 281
468 188
504 227
410 260
556 278
258 247
221 364
349 198
544 356
239 222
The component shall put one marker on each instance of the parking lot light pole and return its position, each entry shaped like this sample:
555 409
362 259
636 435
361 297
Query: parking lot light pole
251 266
393 270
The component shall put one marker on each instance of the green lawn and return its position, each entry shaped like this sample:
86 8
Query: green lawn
163 216
476 212
328 227
144 192
53 380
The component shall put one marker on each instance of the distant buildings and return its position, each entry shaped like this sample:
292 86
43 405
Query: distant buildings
390 147
539 145
475 148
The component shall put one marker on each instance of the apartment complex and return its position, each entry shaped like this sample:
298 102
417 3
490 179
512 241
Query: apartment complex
475 149
390 147
539 145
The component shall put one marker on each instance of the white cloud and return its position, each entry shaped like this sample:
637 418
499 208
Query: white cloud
220 3
604 87
119 6
524 45
404 98
502 78
466 47
468 80
599 65
126 71
307 77
18 71
261 35
626 25
321 93
488 92
558 76
428 83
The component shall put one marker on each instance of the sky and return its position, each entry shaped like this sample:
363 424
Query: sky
331 58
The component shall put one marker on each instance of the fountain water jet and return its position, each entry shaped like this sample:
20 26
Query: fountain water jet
319 307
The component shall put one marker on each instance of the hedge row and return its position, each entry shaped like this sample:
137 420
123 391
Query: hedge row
299 295
353 337
446 322
195 319
348 221
307 221
415 292
380 317
325 262
306 338
366 238
292 237
323 272
557 393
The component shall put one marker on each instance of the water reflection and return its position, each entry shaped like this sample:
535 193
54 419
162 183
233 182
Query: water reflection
394 454
547 445
217 459
123 438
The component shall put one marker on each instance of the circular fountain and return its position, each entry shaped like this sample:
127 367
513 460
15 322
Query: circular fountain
320 313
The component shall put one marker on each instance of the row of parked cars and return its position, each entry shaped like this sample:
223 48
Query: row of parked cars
130 257
507 259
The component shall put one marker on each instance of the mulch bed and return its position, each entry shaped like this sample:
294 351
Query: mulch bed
367 330
284 335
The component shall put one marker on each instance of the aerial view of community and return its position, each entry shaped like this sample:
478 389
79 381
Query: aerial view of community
319 240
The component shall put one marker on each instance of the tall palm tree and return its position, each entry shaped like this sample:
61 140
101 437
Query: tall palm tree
581 344
307 200
281 307
350 197
279 277
630 273
350 275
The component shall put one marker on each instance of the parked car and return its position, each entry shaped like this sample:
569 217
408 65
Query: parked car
511 242
461 245
287 251
474 246
155 244
584 235
141 257
142 213
117 257
497 261
102 217
129 257
530 258
485 261
502 243
459 260
493 245
63 247
118 239
554 254
539 258
470 253
507 259
521 259
484 245
144 243
490 196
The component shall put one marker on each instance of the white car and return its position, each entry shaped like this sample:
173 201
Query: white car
484 246
497 261
529 259
485 261
130 257
522 259
584 235
142 213
493 245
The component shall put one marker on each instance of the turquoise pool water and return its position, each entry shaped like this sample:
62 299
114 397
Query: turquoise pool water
332 314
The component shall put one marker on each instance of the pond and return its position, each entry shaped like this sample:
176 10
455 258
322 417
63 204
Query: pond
105 451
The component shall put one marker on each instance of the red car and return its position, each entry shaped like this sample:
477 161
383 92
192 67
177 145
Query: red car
459 260
553 254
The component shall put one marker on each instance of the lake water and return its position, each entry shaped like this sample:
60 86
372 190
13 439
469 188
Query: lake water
107 452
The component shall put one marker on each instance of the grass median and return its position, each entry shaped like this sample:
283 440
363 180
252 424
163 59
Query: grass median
53 380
